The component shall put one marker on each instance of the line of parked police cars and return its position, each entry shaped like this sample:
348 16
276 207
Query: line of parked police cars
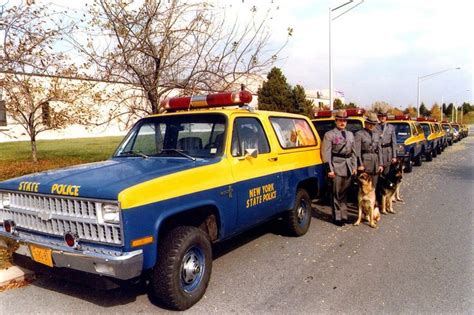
417 138
207 169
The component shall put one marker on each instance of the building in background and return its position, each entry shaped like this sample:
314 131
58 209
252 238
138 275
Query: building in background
12 131
321 97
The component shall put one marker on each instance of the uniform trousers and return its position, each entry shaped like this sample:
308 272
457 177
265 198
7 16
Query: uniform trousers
340 185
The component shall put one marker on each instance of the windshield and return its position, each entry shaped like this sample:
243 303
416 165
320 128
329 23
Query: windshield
446 127
188 136
354 125
323 126
456 127
426 129
402 131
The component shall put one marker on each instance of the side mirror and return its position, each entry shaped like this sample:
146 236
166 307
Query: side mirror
251 153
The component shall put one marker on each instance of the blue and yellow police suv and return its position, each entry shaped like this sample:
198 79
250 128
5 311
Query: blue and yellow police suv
411 141
180 181
433 138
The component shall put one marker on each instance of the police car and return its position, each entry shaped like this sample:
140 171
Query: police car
433 138
178 182
411 141
449 131
324 120
442 135
457 132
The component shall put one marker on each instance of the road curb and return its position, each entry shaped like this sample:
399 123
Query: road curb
14 273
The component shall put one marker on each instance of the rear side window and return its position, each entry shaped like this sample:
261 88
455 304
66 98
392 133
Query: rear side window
293 132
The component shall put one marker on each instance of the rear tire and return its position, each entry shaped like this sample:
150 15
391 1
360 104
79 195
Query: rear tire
418 161
298 219
408 165
182 272
434 152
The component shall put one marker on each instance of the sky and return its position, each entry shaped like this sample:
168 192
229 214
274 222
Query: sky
380 48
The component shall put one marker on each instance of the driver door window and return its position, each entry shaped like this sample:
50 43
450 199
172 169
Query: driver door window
248 134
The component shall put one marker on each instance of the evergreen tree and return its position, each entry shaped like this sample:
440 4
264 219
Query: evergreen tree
275 93
449 110
301 105
338 104
444 108
423 110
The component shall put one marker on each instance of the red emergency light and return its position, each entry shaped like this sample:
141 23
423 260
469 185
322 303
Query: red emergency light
402 117
207 101
323 113
330 113
430 119
355 111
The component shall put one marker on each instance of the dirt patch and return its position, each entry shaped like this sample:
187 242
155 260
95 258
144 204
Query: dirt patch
12 169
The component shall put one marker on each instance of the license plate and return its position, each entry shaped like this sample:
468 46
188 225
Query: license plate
42 255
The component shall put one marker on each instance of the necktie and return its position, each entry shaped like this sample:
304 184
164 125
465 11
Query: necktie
343 133
383 126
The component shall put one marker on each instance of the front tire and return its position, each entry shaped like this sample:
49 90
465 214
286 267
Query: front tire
298 219
182 272
428 156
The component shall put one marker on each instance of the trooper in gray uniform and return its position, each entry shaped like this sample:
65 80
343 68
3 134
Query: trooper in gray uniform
338 152
388 141
368 148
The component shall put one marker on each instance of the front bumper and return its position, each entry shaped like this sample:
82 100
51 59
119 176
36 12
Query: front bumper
115 264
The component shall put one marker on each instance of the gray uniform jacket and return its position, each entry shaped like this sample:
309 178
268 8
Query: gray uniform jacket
388 141
339 152
368 150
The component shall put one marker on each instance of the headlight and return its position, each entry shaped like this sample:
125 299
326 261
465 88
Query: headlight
401 149
4 201
110 213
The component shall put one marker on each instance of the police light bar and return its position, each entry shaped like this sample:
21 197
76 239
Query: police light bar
330 113
323 113
355 111
402 117
207 101
430 119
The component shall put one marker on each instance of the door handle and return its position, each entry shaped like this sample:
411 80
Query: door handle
273 159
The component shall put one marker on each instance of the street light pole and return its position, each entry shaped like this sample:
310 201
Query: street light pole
424 77
331 96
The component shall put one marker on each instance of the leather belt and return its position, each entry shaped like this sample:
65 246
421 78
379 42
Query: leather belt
386 145
348 155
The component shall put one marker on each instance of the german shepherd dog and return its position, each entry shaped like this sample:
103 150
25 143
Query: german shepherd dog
389 187
366 200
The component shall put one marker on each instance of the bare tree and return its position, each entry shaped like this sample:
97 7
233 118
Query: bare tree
165 45
380 105
33 101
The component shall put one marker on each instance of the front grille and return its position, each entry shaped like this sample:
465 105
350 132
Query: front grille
58 215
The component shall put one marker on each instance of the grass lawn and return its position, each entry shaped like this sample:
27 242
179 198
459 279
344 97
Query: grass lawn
15 157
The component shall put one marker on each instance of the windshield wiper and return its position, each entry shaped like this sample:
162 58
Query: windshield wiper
181 152
133 152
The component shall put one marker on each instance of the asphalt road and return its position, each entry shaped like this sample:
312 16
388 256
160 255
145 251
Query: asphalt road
419 260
